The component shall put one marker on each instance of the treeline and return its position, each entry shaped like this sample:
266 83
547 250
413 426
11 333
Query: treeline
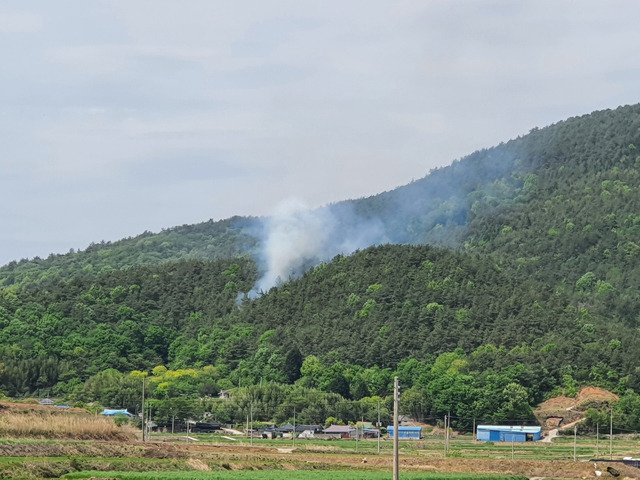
127 320
450 385
374 310
230 238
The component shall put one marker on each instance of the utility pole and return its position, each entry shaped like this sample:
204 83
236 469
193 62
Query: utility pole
575 441
148 421
396 433
597 439
293 434
448 432
474 428
251 429
447 427
143 426
379 425
611 436
445 435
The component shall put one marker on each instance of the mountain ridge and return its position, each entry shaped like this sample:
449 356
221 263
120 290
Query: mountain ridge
437 209
530 288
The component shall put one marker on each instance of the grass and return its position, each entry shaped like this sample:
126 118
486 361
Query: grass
48 425
278 474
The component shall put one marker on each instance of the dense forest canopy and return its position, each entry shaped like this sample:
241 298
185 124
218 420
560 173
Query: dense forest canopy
511 275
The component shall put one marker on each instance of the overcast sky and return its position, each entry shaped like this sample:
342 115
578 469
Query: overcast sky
118 117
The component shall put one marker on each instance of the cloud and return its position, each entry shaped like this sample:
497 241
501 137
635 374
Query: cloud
321 101
20 23
181 166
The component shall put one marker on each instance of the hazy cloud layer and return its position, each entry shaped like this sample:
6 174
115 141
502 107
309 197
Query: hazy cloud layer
123 116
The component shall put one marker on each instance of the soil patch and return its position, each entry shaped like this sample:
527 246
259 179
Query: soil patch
560 412
557 403
595 395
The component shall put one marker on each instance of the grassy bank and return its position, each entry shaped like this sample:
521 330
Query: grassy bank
49 425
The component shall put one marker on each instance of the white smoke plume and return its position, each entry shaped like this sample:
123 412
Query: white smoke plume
297 238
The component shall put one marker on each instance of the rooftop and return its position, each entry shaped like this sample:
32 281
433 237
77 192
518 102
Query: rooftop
511 428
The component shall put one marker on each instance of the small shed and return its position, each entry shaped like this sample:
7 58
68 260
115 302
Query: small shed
339 431
269 432
509 433
406 432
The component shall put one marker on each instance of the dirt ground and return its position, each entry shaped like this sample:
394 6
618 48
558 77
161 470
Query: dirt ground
238 455
557 403
247 457
595 395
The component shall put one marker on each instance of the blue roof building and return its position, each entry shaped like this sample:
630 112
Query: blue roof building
508 433
414 433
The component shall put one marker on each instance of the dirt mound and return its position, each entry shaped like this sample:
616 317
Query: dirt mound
585 396
595 395
561 412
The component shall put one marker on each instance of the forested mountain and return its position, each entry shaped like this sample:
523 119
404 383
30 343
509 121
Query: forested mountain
230 238
548 183
515 269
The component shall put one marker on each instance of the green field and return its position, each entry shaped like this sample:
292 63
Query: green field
213 457
433 447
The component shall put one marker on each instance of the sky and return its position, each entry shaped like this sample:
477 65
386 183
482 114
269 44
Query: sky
124 116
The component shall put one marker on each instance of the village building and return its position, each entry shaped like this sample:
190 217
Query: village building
508 433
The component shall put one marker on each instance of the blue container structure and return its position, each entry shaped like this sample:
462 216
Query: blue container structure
413 433
112 413
508 433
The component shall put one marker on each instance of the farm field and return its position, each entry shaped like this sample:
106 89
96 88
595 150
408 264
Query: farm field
212 457
38 443
294 475
433 447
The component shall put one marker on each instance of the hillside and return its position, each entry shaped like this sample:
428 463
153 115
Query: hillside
512 273
374 309
573 185
575 225
230 238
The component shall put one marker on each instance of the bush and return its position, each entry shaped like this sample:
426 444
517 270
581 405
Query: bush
120 419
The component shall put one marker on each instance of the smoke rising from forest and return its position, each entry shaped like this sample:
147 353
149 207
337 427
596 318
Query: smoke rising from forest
432 210
297 238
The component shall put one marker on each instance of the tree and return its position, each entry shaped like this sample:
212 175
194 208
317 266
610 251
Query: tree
515 404
292 364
